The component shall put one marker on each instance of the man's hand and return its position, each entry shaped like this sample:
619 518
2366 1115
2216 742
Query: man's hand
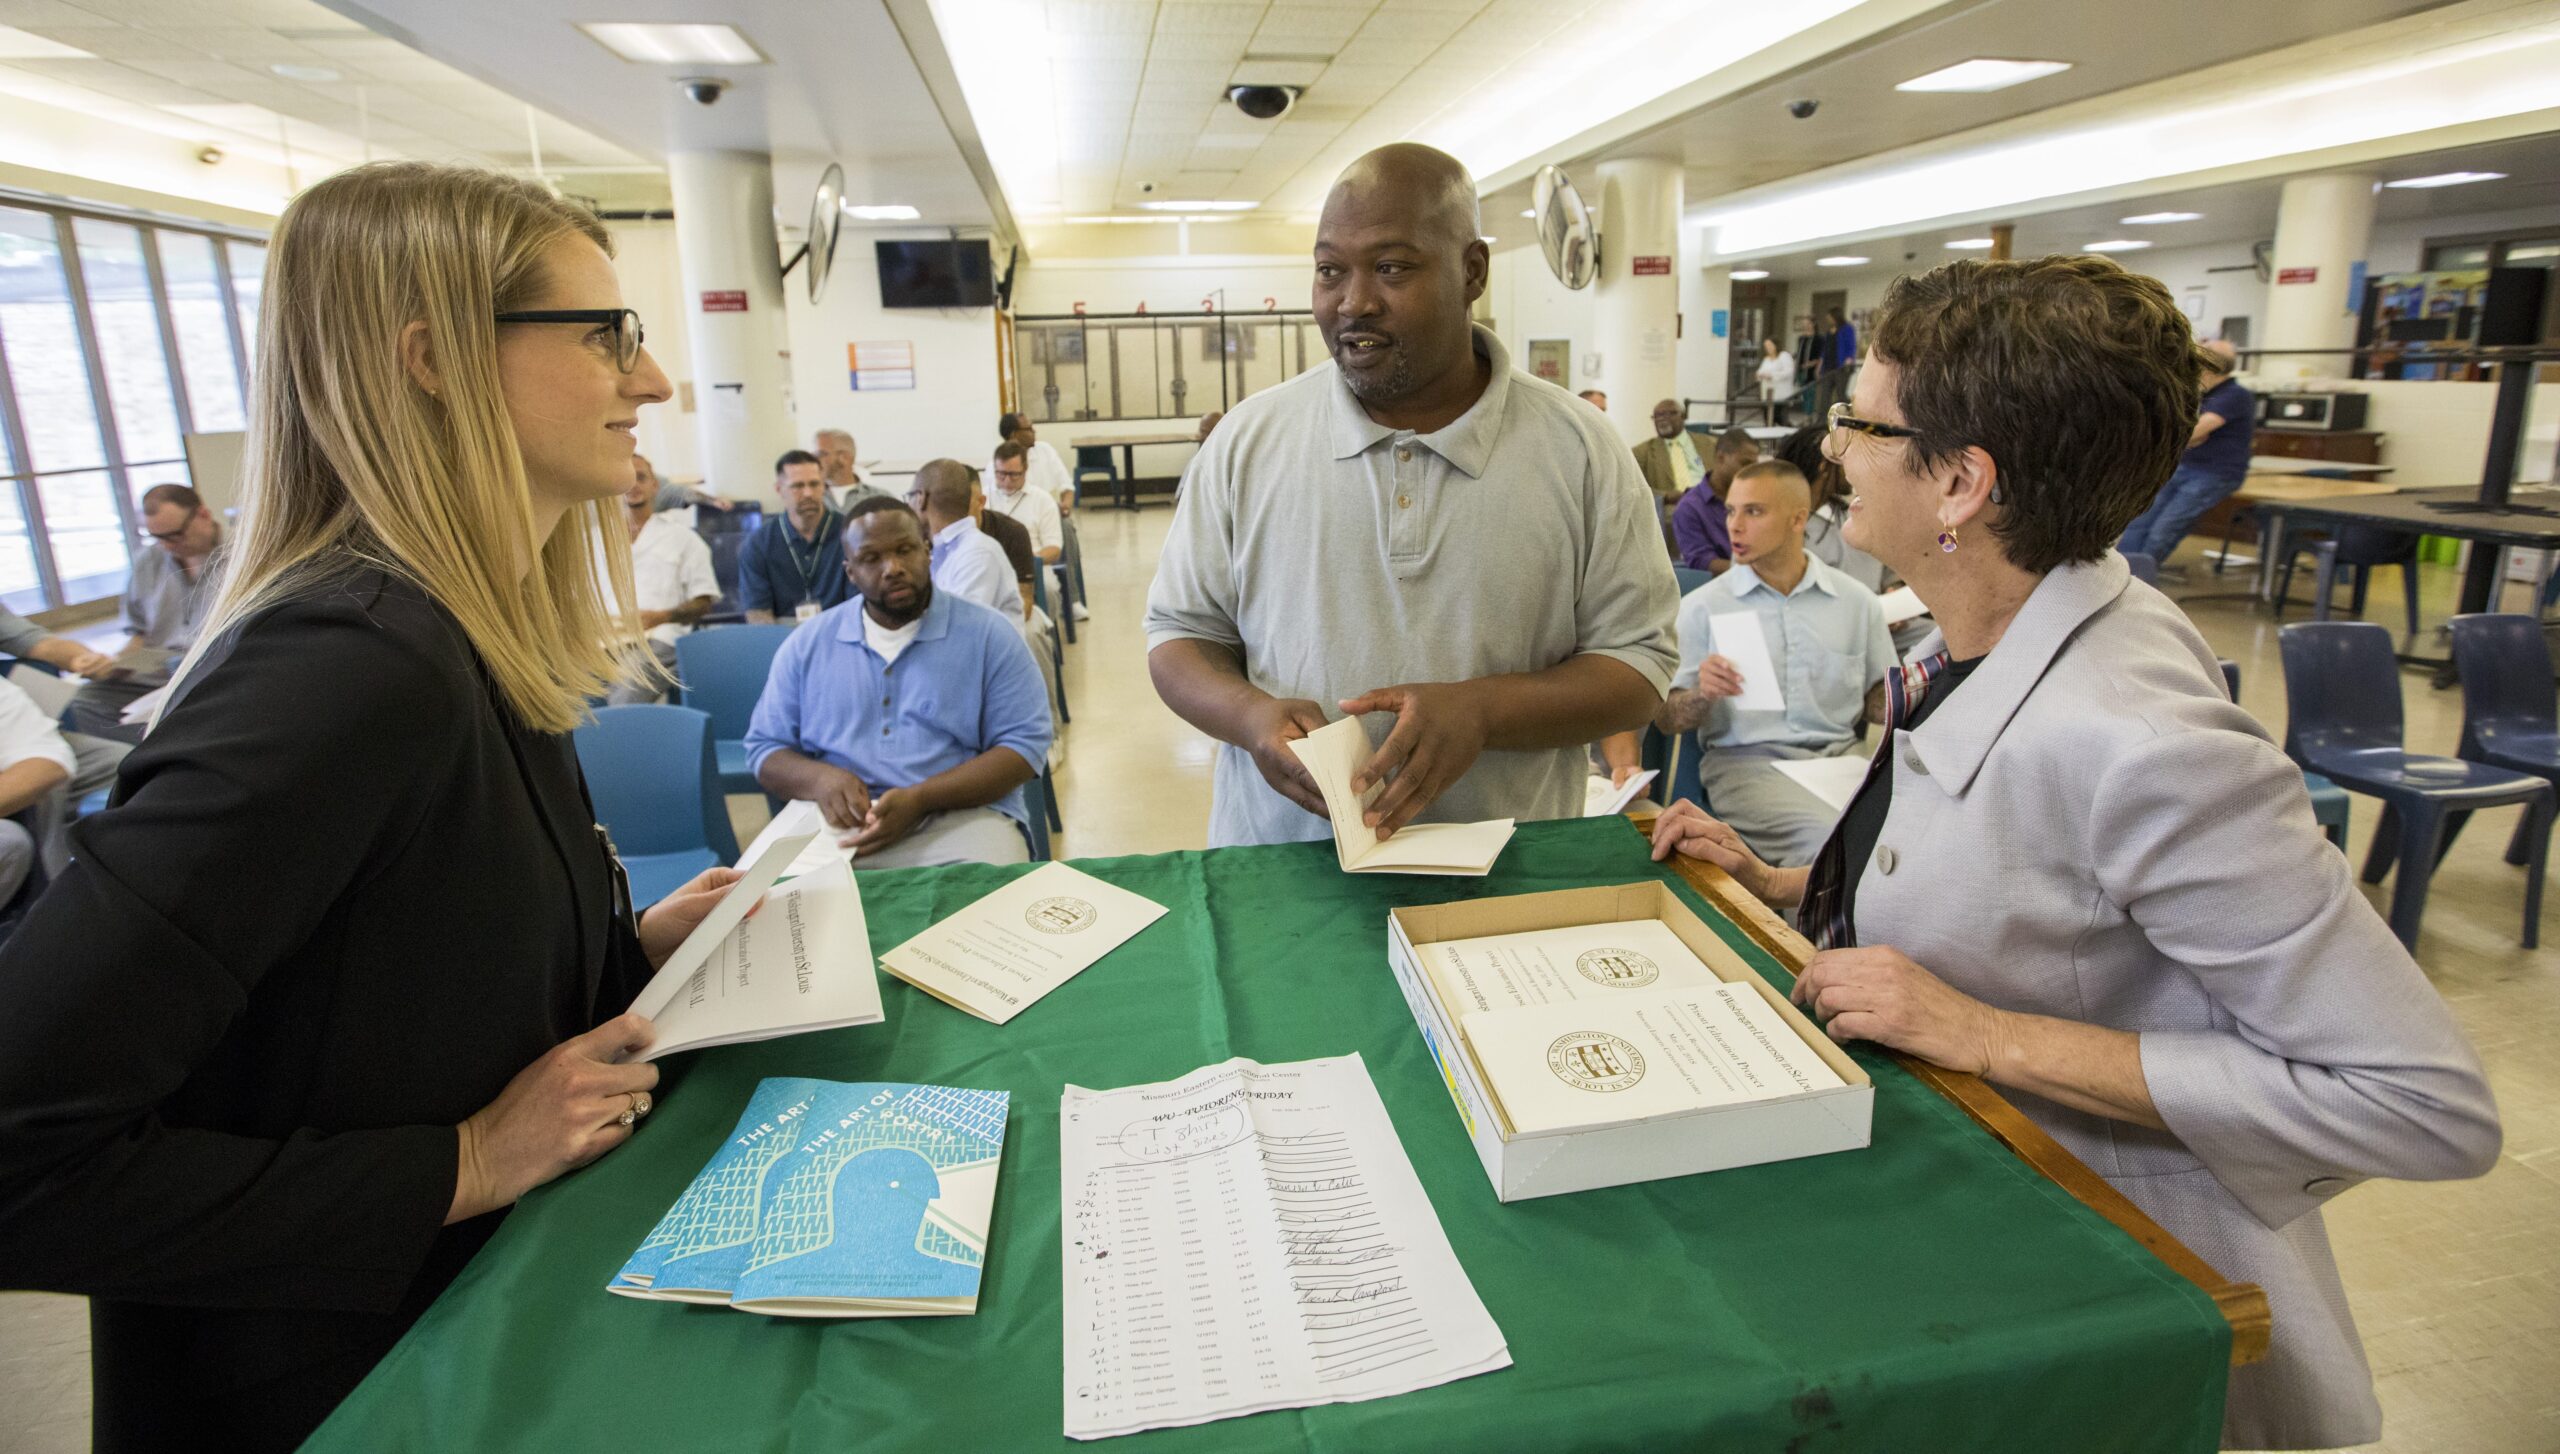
844 802
1878 994
1718 677
1618 775
1686 829
1278 722
1440 728
894 815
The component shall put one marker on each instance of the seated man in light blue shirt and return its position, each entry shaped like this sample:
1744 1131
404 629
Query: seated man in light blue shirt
911 718
1828 641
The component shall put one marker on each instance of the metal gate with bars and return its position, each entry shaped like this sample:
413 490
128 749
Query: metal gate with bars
1081 366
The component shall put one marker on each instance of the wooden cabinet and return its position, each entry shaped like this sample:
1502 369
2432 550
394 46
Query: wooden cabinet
2339 446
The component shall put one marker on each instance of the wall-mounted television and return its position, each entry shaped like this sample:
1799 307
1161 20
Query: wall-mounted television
936 273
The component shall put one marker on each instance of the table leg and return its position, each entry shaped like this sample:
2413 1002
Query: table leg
2270 549
1128 490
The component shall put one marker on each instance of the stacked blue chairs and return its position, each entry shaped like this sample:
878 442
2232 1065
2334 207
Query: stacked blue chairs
649 771
2344 722
724 668
1057 653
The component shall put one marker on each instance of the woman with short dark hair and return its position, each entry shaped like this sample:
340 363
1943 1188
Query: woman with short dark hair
2078 870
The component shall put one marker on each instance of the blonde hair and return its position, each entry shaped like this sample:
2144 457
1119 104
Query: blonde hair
349 463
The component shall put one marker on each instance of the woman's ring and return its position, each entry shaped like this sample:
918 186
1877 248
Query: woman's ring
640 1102
627 1117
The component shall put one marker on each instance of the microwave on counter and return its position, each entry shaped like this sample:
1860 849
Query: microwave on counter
2311 411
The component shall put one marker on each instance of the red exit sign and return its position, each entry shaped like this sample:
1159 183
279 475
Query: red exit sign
2298 275
1652 267
725 302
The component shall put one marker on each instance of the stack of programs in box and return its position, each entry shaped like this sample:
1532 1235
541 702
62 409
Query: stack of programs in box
1601 1024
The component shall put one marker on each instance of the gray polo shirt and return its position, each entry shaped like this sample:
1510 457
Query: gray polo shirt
1338 556
164 607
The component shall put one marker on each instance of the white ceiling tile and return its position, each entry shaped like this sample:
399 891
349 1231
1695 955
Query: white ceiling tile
1407 28
1226 48
1103 16
40 15
1211 17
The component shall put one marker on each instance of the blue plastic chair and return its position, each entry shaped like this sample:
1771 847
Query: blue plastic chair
1040 815
2145 569
1689 579
1057 653
724 668
2507 714
2345 723
649 771
2330 805
1093 461
2359 548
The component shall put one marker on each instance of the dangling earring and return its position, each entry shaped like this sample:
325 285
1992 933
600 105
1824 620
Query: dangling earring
1947 541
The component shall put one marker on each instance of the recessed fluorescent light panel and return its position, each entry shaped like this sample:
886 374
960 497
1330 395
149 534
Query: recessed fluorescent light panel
885 212
1970 244
2446 179
19 45
1199 206
674 44
1749 275
2120 244
2155 219
1984 75
1839 262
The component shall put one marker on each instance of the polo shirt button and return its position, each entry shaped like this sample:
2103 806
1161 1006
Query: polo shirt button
2326 1186
1911 760
1404 502
1404 454
884 731
1885 859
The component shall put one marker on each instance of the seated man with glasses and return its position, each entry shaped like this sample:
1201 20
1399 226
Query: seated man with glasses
172 584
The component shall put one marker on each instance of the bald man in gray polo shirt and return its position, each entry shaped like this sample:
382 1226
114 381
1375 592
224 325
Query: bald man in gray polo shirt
1415 532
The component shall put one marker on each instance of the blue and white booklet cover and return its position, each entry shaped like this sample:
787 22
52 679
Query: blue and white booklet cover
835 1200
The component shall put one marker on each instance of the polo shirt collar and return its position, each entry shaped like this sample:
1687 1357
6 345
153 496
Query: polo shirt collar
1466 441
935 624
1817 577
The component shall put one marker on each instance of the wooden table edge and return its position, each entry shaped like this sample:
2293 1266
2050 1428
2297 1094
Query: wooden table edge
2243 1304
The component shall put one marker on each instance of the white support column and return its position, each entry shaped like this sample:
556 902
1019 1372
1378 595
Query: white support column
1638 294
732 271
2322 226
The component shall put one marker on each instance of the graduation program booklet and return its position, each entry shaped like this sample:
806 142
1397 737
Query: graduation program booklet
835 1200
1333 754
802 963
1552 966
796 819
998 956
1609 1059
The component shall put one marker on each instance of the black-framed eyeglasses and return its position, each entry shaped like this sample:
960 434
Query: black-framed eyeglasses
628 335
1840 418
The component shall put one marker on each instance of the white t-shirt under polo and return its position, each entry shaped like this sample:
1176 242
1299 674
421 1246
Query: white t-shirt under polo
1338 556
1032 508
27 734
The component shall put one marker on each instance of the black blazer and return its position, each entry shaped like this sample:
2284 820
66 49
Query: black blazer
344 897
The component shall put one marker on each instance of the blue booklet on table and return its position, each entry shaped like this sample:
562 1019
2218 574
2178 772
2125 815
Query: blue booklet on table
835 1200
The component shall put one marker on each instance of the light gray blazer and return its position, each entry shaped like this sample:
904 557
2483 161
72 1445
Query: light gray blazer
2088 829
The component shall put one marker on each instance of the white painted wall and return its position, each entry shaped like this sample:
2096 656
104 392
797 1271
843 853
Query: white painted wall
952 409
1241 283
644 257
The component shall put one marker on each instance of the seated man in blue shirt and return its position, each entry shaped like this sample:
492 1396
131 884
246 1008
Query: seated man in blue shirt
911 719
1826 638
793 566
2214 467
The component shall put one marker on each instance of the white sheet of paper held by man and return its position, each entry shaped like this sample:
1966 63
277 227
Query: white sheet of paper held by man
998 956
1251 1237
1742 640
1616 1058
1333 754
1552 966
1601 800
795 819
1901 604
1835 780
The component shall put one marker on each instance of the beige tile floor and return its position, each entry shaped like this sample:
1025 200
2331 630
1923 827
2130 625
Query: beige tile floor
2457 1286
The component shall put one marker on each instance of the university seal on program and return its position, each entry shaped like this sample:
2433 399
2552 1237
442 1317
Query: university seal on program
1617 969
1060 915
1594 1060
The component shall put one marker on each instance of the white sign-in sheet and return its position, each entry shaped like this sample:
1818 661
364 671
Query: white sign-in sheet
1251 1237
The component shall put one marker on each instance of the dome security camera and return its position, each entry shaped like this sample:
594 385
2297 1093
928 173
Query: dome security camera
703 90
1802 109
1264 103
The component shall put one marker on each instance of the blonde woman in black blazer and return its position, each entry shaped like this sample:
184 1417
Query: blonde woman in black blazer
340 976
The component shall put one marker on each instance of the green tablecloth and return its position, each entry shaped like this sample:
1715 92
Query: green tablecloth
1929 1293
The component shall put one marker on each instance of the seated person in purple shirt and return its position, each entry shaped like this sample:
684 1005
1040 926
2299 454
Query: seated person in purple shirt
912 719
1697 522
